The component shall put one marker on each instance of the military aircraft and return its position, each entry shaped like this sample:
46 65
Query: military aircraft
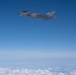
37 15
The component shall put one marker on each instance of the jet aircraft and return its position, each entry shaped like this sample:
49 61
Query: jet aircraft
37 15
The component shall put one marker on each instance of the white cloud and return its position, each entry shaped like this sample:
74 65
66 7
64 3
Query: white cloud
25 71
73 72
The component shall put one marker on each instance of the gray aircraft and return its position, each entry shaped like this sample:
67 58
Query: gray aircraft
36 15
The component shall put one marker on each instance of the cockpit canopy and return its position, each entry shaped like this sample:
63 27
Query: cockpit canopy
24 11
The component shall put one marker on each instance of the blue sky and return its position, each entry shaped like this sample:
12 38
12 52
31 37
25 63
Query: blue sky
18 33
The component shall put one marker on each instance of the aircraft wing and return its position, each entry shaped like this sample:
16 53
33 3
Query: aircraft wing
36 15
41 16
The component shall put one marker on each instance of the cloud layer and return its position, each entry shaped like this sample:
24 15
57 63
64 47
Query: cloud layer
25 71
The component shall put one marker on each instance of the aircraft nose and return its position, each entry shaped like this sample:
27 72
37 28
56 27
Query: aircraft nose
19 14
